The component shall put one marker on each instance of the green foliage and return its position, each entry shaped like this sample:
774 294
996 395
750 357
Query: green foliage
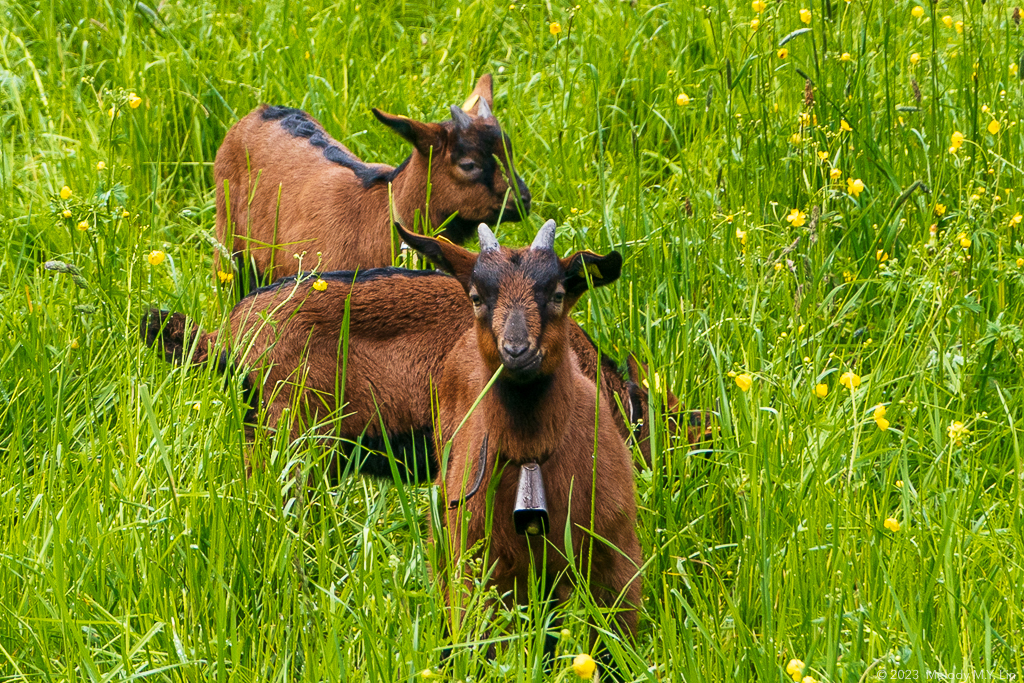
132 543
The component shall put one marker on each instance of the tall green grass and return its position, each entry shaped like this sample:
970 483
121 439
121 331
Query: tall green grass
133 545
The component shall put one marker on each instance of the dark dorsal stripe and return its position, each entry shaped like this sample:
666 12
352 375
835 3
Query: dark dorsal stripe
300 125
348 277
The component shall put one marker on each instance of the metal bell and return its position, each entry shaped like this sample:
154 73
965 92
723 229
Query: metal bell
531 511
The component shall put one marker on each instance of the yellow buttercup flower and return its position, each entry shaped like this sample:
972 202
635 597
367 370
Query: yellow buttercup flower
881 256
134 100
755 23
849 380
821 390
320 285
795 669
917 12
892 524
1013 69
845 57
805 15
65 192
854 186
835 174
73 344
66 213
940 209
101 165
915 58
555 28
959 26
156 257
682 99
1015 221
83 225
758 6
822 155
225 278
584 666
1020 262
948 21
879 412
899 483
744 381
993 126
883 424
741 235
783 52
965 241
956 140
844 126
958 432
796 218
808 679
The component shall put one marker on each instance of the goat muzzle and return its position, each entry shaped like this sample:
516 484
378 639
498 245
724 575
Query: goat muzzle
531 512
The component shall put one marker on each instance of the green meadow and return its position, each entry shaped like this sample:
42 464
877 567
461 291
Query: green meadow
820 208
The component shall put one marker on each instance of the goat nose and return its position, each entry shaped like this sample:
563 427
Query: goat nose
515 348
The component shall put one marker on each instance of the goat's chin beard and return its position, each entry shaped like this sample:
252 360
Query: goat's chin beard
525 373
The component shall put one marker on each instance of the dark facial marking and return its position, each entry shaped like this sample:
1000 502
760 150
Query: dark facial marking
298 123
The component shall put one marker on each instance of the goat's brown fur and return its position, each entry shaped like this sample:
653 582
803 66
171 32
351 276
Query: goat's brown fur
293 190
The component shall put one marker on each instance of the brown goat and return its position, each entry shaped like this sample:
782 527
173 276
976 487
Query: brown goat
293 189
387 371
540 409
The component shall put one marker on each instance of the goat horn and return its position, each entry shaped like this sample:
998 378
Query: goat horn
484 110
488 242
546 237
462 119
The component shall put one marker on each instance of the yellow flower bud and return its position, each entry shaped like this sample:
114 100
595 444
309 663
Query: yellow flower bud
584 666
320 285
65 192
156 257
744 381
821 390
892 524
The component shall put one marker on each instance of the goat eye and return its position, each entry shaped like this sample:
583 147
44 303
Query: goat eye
468 165
557 298
475 298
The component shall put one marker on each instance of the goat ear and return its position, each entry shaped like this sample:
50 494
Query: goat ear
482 91
444 254
585 269
422 135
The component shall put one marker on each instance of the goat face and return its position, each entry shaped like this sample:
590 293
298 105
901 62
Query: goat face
521 297
469 162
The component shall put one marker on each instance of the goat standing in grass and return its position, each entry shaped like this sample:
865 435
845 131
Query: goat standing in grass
540 409
291 188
